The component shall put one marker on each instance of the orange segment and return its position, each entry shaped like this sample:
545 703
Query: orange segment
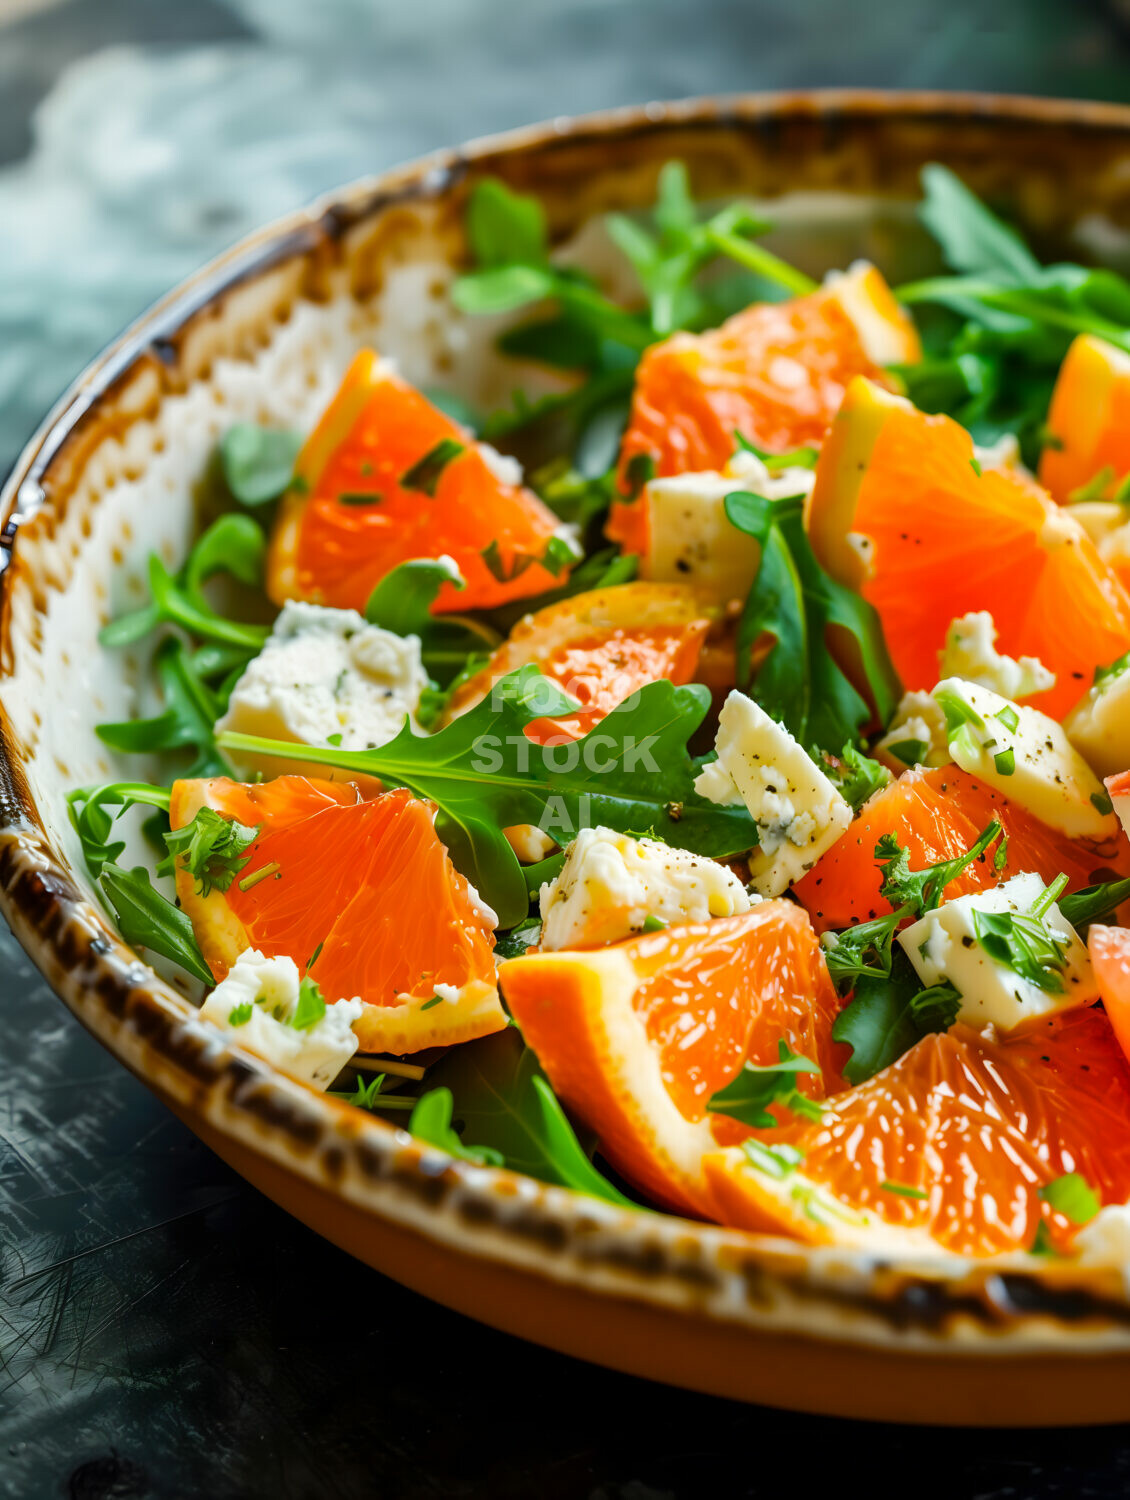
361 894
942 539
1109 948
637 1037
948 1148
775 372
1088 420
600 647
374 435
936 815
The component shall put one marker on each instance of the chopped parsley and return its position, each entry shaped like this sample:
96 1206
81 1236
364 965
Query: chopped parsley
211 848
1072 1196
923 890
748 1097
239 1015
311 1005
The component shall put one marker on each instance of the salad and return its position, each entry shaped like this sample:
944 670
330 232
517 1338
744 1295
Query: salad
706 786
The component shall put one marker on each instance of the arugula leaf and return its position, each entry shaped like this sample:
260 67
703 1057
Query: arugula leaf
888 1015
87 808
430 1121
234 544
147 920
402 601
505 1101
505 228
1081 908
922 890
748 1097
973 239
258 462
628 773
1072 1196
792 599
514 943
210 849
863 950
187 721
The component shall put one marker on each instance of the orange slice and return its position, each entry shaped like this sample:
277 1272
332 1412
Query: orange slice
948 1148
636 1038
600 647
1109 948
936 815
362 895
374 489
900 511
775 372
1088 420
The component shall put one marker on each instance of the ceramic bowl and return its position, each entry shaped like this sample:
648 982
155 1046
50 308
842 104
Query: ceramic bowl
263 334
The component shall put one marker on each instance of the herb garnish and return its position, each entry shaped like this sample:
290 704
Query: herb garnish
748 1097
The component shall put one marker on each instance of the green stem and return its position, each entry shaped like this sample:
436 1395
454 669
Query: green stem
756 258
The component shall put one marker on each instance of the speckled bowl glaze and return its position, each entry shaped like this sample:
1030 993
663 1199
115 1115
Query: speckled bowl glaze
264 334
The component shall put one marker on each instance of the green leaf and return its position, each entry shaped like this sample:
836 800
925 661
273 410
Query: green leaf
258 462
792 599
1072 1196
502 289
888 1015
485 775
503 1100
748 1097
426 472
371 1096
147 920
311 1005
1024 942
233 544
505 228
210 849
187 721
973 239
402 602
513 944
239 1015
430 1121
923 890
862 950
856 776
94 810
1081 908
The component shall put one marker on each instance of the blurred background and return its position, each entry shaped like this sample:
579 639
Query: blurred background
165 1332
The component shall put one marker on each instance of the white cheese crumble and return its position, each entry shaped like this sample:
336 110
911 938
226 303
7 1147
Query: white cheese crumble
1026 756
944 946
326 672
1106 1239
916 735
612 883
970 653
1099 726
690 539
505 469
798 812
265 991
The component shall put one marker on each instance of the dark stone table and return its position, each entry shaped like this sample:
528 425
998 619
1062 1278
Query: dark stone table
164 1331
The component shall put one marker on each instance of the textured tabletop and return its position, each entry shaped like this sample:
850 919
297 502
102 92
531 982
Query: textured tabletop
164 1331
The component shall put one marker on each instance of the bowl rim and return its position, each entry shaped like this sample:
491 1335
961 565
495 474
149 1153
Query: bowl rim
486 1211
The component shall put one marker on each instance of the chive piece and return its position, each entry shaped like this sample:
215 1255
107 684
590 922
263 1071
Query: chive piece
435 1000
1005 762
910 752
358 497
640 470
1009 718
654 924
1101 803
253 880
975 465
902 1190
239 1015
425 473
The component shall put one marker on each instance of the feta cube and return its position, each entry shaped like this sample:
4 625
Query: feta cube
798 812
690 539
916 736
970 653
263 995
326 672
1027 757
943 946
612 883
1099 726
1106 1239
